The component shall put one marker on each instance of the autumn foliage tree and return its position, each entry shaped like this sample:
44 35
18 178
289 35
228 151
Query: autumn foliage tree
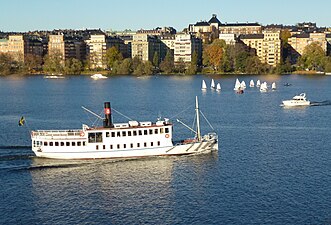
213 54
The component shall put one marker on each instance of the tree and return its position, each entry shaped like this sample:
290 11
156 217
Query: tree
213 54
193 68
156 59
125 67
313 57
73 66
53 63
112 55
33 63
167 65
6 64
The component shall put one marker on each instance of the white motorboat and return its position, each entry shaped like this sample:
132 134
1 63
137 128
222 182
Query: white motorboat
121 140
298 100
98 76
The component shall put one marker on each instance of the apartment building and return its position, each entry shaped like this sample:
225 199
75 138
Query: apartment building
15 46
230 39
207 31
300 41
185 46
96 50
267 45
240 28
144 46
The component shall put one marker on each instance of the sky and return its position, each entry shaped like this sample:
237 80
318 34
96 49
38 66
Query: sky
30 15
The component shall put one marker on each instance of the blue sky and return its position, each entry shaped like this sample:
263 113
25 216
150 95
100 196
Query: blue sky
25 15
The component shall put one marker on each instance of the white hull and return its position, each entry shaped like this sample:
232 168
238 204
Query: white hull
292 103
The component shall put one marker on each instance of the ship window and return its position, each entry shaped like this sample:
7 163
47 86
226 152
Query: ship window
145 132
56 143
158 143
79 143
98 137
112 134
51 143
138 145
129 133
150 131
134 133
62 143
156 131
107 134
45 143
118 146
140 132
123 133
118 134
84 143
151 144
73 143
111 146
131 145
145 144
104 146
97 147
167 130
124 145
161 130
67 143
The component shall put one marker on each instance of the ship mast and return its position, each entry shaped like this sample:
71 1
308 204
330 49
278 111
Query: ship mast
198 118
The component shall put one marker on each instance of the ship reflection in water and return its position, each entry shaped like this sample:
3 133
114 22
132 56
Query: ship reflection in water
109 191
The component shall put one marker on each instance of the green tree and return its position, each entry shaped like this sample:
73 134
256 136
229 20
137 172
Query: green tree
6 64
112 55
53 63
125 67
313 57
73 66
33 63
167 65
193 68
156 59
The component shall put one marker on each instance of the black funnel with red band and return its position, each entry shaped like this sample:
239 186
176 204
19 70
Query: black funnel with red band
107 121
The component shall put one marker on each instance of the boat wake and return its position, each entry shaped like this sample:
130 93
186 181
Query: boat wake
327 102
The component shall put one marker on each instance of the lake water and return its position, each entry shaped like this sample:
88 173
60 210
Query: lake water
273 164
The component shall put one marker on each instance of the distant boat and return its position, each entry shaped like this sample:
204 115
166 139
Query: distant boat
98 76
243 85
53 77
273 86
237 85
218 87
251 83
298 100
212 84
258 83
287 84
264 87
203 86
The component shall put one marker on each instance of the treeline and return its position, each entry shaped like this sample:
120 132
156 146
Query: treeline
216 58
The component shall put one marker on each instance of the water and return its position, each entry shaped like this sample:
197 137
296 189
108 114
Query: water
273 164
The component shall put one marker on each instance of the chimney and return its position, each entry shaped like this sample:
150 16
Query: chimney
107 123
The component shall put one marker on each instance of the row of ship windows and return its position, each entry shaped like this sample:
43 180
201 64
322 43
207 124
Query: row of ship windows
83 143
137 132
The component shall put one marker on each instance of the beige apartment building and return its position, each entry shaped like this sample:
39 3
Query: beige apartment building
240 28
96 50
15 46
185 46
300 41
267 45
144 46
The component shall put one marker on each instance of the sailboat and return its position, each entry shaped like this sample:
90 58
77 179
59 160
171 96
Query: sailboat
212 84
243 85
258 83
218 87
264 87
273 86
203 86
251 83
237 85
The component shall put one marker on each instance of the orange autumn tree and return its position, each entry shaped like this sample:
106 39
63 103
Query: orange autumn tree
213 54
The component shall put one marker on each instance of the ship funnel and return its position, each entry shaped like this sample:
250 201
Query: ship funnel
107 122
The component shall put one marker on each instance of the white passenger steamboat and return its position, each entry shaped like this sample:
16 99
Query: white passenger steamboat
120 140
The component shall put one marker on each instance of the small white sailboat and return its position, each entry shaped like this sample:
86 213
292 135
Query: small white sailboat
237 85
218 87
258 83
264 87
243 85
273 86
203 86
251 83
212 84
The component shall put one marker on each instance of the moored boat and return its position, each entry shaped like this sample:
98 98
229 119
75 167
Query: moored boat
120 140
98 76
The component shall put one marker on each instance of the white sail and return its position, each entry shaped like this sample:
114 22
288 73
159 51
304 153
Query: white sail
264 87
237 85
204 86
258 83
218 87
242 85
251 83
273 86
212 84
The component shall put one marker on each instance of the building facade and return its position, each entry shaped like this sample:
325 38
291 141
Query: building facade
185 46
300 41
240 28
144 47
